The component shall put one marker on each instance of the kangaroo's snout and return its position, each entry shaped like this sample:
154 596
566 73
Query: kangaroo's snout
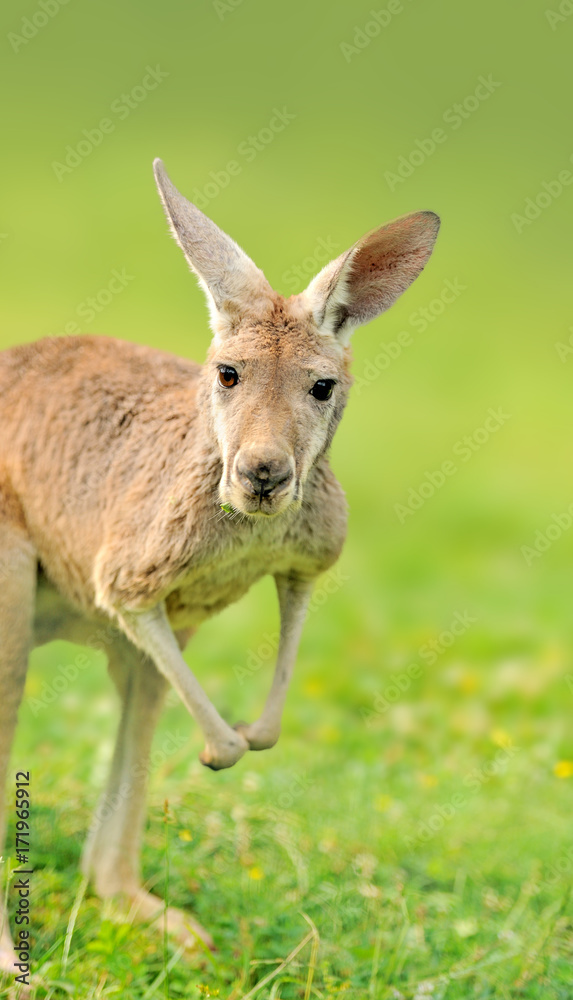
265 478
263 474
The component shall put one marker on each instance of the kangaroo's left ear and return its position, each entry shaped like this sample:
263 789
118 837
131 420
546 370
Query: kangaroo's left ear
368 278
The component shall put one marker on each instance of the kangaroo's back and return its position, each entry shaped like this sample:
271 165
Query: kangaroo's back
76 415
74 393
63 363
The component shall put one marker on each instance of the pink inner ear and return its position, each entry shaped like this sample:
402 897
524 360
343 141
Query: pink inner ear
387 261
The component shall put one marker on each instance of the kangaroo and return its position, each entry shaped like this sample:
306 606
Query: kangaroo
141 493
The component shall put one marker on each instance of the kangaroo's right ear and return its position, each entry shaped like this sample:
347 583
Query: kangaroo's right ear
233 285
368 278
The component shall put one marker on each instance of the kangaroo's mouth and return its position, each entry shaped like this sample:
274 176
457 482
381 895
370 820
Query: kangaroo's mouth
265 506
235 499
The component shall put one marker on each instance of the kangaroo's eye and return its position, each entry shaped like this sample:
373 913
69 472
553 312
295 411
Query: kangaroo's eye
322 389
227 377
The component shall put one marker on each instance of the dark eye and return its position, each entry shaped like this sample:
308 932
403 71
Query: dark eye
227 377
322 389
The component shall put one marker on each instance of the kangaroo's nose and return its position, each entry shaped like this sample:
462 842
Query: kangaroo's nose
265 477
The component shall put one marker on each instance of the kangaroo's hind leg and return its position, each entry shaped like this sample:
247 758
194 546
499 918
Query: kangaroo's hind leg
112 852
18 562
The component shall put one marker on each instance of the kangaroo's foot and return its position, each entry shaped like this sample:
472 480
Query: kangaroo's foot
259 735
225 752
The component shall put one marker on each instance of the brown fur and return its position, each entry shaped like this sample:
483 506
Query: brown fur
144 442
115 460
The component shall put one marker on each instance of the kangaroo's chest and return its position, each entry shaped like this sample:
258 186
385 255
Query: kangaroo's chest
209 587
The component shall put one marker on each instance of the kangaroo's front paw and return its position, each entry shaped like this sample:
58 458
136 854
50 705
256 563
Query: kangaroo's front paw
224 753
258 735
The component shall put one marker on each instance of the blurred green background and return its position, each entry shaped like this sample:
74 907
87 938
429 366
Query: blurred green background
362 95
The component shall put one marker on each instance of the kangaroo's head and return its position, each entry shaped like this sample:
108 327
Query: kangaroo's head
277 375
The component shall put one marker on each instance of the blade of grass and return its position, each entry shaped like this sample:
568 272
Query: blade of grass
313 955
276 972
163 974
72 923
375 963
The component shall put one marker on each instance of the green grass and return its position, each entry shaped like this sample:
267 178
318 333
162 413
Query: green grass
340 823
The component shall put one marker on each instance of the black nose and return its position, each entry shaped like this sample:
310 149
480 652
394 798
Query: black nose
265 477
